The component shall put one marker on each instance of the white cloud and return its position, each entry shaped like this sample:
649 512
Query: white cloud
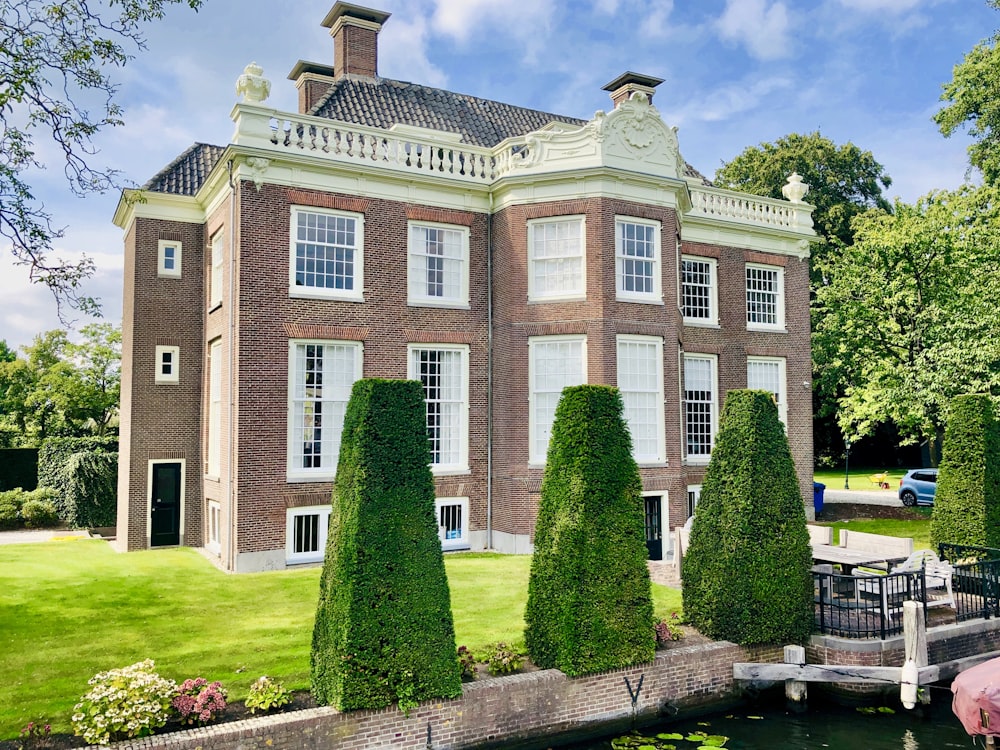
469 20
881 6
734 99
763 29
403 53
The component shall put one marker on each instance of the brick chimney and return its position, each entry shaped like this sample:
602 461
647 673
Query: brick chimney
355 38
312 80
627 83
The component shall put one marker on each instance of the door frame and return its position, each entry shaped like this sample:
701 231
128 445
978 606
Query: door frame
149 497
666 541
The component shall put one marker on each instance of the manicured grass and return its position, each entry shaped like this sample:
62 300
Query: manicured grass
858 478
75 608
919 530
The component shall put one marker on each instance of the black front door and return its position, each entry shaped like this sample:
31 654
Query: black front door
165 514
654 542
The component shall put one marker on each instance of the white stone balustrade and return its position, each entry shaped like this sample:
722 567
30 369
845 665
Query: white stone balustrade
723 204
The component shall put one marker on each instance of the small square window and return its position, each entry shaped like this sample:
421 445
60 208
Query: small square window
453 522
305 533
168 259
168 364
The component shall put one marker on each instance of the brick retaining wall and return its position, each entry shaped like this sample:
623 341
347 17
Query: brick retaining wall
509 710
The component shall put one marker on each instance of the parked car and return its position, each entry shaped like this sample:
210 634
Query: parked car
918 487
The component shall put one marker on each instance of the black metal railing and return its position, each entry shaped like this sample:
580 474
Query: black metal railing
865 606
976 580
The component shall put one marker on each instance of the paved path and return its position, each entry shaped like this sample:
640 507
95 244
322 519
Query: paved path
866 497
27 536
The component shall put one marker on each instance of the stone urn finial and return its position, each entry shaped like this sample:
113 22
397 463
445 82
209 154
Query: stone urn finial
252 85
796 189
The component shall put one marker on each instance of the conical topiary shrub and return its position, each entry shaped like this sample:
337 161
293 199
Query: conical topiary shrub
746 573
967 499
384 631
589 604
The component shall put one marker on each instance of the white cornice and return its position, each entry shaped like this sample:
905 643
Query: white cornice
715 232
135 204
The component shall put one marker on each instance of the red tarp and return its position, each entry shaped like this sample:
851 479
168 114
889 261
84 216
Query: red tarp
977 698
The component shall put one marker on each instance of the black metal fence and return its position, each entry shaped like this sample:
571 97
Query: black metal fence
976 581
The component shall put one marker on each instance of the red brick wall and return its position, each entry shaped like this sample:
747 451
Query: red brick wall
355 50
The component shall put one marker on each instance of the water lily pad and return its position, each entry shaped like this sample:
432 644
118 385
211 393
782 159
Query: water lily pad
670 736
715 740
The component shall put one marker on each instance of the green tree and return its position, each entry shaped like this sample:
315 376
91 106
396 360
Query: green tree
746 573
589 603
384 630
967 502
6 353
56 58
909 318
93 387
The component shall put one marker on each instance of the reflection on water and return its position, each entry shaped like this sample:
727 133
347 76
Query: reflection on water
823 725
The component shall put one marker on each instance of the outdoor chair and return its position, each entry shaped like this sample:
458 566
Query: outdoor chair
937 577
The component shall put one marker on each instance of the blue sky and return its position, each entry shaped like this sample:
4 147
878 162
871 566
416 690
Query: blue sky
737 73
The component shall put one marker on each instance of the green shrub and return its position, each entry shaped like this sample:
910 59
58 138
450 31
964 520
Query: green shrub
11 503
39 514
746 573
18 468
589 603
503 659
55 454
384 630
90 482
267 693
133 701
967 501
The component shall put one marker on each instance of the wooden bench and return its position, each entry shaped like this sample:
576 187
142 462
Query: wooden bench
889 548
819 534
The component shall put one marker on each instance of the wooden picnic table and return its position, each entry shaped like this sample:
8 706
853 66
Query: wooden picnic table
849 558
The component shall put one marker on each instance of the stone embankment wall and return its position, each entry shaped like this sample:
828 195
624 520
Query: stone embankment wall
505 710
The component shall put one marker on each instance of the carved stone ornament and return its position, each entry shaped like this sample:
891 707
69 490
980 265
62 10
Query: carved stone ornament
258 166
796 189
252 85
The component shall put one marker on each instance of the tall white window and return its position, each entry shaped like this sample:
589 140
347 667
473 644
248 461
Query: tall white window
444 372
640 380
556 266
438 265
214 453
326 254
768 374
167 364
218 253
168 258
637 260
554 362
700 397
699 290
321 374
214 542
453 522
765 296
305 533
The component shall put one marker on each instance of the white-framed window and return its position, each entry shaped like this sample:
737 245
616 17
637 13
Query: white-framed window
768 374
438 269
217 251
556 259
214 542
168 364
214 453
444 371
637 260
305 533
168 258
693 496
699 290
453 522
320 377
640 381
554 362
700 405
765 296
327 258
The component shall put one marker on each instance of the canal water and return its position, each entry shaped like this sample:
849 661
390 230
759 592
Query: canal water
770 726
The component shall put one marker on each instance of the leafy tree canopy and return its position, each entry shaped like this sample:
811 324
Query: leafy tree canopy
56 58
844 181
909 318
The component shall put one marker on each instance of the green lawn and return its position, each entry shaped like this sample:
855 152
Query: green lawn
858 478
919 530
75 608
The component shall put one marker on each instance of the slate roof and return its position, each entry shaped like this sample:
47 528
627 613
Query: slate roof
382 103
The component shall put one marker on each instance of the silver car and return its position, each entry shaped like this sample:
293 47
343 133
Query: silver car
918 487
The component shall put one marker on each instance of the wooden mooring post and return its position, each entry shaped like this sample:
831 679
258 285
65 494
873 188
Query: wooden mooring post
795 690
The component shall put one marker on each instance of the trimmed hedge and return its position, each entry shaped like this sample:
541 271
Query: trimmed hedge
55 454
18 468
967 500
33 508
589 603
384 631
90 497
746 573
